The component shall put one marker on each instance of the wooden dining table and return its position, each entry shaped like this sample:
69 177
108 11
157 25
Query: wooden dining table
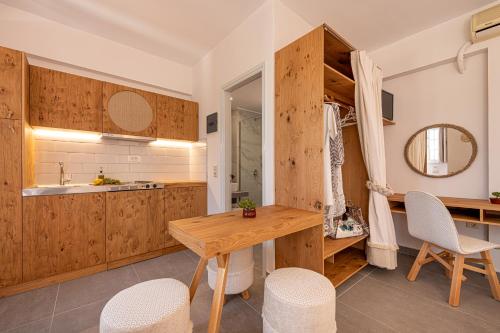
298 236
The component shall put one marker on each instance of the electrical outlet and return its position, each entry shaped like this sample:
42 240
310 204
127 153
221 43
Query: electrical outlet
214 171
134 159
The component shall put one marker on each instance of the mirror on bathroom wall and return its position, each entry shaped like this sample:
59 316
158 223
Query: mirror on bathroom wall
130 111
441 150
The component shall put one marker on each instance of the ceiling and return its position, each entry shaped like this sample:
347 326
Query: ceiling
185 30
182 31
370 24
248 97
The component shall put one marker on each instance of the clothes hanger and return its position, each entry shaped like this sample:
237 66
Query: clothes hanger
350 118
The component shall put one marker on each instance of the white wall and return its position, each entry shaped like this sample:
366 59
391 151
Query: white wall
250 45
418 55
433 96
44 38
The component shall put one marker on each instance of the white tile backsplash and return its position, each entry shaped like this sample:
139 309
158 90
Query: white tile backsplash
83 160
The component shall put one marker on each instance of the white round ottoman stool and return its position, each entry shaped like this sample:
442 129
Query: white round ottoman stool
153 306
240 273
298 300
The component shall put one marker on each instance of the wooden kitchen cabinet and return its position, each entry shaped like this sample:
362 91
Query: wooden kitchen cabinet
10 83
10 202
110 126
134 223
63 100
62 233
183 201
177 118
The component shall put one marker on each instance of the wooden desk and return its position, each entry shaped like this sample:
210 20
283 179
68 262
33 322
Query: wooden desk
298 234
461 209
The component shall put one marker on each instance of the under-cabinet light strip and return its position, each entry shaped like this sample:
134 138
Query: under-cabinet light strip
93 136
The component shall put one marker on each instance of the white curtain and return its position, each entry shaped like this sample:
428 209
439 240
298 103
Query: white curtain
382 246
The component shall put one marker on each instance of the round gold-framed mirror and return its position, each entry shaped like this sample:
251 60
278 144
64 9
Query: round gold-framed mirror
441 150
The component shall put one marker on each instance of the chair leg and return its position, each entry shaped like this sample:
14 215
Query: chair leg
417 264
491 275
456 281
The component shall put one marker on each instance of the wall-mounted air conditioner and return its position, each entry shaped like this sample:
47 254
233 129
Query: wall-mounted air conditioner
486 24
483 25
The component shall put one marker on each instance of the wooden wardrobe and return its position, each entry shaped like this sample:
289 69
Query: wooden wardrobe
306 70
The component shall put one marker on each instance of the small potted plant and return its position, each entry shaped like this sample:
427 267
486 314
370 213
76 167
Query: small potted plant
496 198
248 208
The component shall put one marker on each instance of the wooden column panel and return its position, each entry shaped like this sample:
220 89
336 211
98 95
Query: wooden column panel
182 202
134 223
10 202
354 174
299 123
177 118
108 90
62 233
10 83
301 249
63 100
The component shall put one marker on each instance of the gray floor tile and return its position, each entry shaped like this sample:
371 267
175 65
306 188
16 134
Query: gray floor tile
435 286
166 266
27 307
93 288
237 316
83 319
406 312
256 292
351 321
38 326
344 287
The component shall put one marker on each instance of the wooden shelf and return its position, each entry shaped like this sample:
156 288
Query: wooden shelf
337 52
347 263
388 122
461 210
333 246
338 83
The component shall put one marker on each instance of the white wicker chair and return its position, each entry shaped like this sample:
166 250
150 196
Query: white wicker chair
430 221
298 300
153 306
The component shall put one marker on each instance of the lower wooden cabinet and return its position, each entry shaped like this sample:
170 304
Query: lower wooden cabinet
181 202
10 203
62 233
134 223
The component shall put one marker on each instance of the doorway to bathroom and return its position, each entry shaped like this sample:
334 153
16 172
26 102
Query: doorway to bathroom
246 142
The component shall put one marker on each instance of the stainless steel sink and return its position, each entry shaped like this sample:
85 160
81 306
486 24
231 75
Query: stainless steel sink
63 189
84 188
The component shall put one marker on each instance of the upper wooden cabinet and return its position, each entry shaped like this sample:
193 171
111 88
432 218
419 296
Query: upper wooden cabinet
62 233
125 110
10 83
177 118
134 223
10 202
64 100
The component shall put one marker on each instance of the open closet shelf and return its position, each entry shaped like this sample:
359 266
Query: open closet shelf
462 210
346 264
338 82
333 246
337 52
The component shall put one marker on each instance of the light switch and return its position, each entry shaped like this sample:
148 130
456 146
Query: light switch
214 171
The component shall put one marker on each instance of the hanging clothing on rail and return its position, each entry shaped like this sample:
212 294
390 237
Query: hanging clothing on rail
333 158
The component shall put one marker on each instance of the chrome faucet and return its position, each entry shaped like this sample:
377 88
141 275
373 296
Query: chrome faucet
62 178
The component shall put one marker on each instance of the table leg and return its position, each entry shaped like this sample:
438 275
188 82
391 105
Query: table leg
220 288
197 277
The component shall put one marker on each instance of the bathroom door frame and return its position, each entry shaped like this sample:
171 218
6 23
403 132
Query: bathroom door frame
226 143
